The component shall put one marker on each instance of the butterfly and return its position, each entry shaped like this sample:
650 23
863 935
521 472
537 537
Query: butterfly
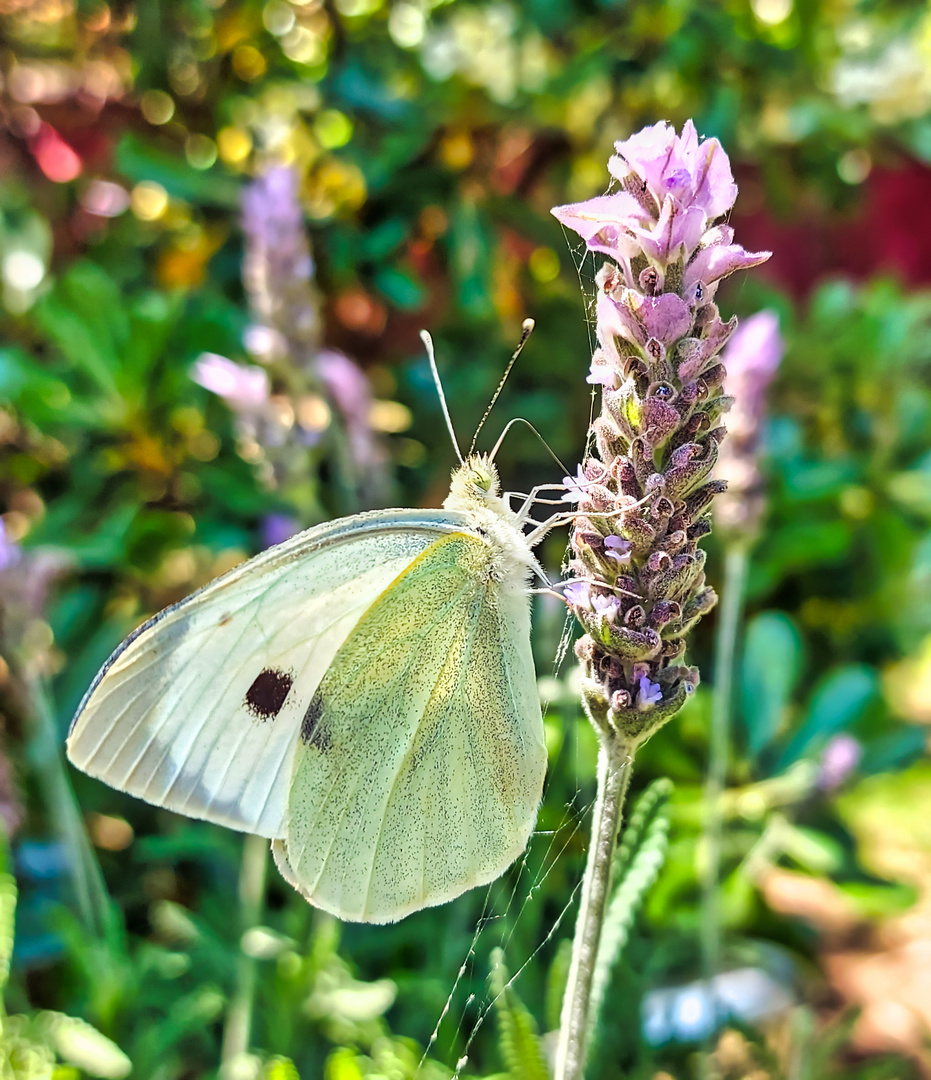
363 695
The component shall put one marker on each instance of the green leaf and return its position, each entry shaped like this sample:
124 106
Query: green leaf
912 490
403 290
471 261
841 698
7 918
518 1040
137 160
83 315
771 664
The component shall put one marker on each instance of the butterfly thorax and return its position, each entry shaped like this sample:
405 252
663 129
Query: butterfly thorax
475 491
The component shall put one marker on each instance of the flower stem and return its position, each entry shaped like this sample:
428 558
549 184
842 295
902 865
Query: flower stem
45 755
238 1024
615 759
732 601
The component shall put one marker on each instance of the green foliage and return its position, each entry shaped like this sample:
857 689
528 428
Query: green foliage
771 665
518 1040
46 1043
430 141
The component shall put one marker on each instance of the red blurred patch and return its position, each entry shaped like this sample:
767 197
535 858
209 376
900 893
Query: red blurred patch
889 231
56 158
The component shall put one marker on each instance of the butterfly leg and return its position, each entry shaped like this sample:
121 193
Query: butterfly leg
533 497
555 520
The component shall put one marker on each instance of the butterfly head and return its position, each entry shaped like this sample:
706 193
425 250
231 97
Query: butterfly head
474 481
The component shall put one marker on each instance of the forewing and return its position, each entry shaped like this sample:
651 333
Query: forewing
421 761
199 710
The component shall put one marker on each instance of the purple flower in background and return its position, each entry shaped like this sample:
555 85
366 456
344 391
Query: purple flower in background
349 389
10 553
245 389
648 693
617 548
277 265
752 357
276 528
839 759
272 220
265 344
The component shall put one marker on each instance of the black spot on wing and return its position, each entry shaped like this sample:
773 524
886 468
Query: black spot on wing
267 694
311 731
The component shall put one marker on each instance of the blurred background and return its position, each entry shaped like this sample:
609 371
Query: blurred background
222 225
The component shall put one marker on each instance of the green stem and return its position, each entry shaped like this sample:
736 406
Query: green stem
45 755
731 612
237 1028
615 760
7 914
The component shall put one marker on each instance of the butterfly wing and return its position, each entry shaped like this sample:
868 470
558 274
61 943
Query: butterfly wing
421 759
199 710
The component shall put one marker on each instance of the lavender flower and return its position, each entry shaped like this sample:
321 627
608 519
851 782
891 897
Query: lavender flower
752 356
277 266
575 486
617 548
349 389
245 389
656 440
10 552
578 595
328 398
839 759
648 693
276 528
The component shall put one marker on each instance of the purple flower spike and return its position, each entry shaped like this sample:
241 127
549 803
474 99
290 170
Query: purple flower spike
649 693
651 448
751 357
753 353
617 548
578 595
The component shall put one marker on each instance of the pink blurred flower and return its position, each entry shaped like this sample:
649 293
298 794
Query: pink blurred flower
752 357
245 389
349 389
839 759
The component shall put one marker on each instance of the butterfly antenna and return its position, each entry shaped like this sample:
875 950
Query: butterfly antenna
428 345
528 326
521 420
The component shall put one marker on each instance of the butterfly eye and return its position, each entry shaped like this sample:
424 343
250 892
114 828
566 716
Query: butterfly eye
481 479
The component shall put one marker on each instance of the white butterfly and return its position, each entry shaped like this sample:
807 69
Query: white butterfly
364 695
